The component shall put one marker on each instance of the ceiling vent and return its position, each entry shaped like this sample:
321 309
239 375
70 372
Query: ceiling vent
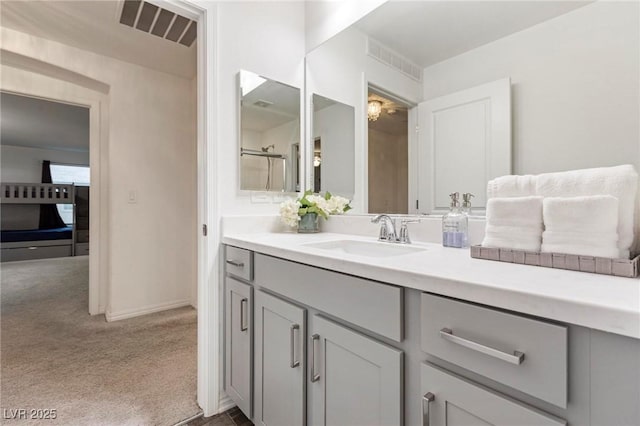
391 58
160 22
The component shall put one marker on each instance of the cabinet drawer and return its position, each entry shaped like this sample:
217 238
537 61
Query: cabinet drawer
36 252
523 353
368 304
450 400
239 262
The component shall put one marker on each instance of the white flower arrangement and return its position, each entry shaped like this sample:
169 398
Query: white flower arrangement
325 205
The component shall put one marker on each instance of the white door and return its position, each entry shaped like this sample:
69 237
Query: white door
464 141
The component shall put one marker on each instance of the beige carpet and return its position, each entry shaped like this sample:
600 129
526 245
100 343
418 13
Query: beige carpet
140 371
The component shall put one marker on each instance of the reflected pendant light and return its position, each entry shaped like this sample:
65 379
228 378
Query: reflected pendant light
374 108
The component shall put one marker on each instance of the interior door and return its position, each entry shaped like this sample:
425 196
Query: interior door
449 400
279 362
464 141
355 380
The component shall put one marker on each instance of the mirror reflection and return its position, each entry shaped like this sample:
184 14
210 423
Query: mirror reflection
270 134
332 147
490 88
387 154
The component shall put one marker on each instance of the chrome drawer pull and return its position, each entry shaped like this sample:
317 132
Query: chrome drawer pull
314 376
516 358
426 401
243 314
294 362
236 263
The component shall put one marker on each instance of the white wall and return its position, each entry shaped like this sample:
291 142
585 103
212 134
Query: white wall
266 38
23 164
575 84
340 70
334 126
325 19
152 151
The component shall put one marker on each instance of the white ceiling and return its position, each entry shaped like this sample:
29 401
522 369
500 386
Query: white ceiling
284 108
94 26
37 123
427 32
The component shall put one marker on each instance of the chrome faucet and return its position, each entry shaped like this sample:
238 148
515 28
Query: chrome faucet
387 228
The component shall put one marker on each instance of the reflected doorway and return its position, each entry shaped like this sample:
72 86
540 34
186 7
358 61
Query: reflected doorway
388 154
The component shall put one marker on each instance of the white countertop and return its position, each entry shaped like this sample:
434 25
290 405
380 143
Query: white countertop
596 301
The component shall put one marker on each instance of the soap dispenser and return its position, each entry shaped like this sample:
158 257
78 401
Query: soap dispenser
466 203
455 225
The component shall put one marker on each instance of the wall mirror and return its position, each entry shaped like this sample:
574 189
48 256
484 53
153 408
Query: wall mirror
269 134
448 95
332 147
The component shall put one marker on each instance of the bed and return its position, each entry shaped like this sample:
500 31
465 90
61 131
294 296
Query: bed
32 243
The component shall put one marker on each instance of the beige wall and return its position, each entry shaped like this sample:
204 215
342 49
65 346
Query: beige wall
388 172
152 152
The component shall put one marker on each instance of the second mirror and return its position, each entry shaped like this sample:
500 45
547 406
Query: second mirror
332 147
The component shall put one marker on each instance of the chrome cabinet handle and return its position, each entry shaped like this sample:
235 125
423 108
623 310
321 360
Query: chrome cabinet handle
426 401
236 263
516 358
293 329
243 314
314 376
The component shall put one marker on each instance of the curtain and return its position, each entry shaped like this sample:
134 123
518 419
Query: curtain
49 216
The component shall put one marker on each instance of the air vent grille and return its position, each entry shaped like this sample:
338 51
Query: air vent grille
163 23
391 58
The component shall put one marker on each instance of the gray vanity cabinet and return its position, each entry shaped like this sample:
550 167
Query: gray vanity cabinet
450 400
353 380
280 364
238 343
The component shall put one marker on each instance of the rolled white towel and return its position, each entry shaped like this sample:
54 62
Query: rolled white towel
512 186
581 225
514 223
619 181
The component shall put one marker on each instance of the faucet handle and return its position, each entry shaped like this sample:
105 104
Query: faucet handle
404 230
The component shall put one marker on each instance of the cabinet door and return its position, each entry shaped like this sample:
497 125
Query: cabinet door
279 362
355 380
455 401
238 343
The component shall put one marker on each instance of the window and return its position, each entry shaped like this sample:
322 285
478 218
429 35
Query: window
66 173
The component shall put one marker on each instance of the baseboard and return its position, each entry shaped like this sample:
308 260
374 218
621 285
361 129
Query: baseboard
130 313
225 403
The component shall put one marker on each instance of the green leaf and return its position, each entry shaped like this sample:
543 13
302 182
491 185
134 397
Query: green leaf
327 195
347 208
302 211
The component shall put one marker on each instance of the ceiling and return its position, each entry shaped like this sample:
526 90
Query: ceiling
37 123
427 32
269 105
394 117
94 26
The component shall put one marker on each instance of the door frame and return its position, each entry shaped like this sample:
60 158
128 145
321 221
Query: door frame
412 144
209 289
97 104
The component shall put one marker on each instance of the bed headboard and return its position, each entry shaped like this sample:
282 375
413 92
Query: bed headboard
37 193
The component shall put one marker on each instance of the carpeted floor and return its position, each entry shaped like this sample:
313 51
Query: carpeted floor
140 371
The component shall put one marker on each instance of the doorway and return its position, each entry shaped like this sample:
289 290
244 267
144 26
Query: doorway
388 153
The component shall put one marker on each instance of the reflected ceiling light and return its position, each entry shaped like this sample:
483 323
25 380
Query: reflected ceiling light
317 160
374 108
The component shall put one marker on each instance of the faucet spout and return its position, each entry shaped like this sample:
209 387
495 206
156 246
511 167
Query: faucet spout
387 228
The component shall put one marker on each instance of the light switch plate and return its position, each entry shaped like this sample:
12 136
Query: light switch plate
133 196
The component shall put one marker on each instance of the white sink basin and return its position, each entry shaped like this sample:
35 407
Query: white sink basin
365 248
